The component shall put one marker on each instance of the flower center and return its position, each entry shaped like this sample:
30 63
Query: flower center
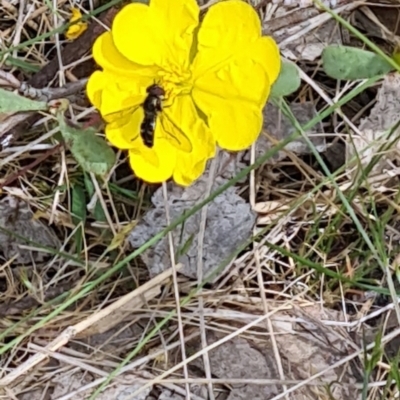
174 82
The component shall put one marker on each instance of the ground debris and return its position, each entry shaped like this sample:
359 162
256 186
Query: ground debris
279 127
110 340
302 30
17 218
306 348
305 3
238 359
168 395
128 384
379 136
8 308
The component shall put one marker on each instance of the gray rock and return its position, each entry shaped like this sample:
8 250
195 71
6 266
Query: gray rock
229 223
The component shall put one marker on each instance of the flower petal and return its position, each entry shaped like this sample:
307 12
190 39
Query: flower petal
76 30
94 88
108 57
121 96
164 160
242 80
233 72
234 124
181 19
190 166
144 167
266 52
174 132
124 133
107 94
188 169
226 23
159 34
116 94
121 86
135 34
233 55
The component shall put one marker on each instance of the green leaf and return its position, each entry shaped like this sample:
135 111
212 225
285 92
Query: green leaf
288 80
186 246
394 370
376 353
98 211
16 62
90 151
130 194
11 102
78 204
78 214
350 63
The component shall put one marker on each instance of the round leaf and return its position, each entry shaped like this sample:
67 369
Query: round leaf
350 63
11 102
288 80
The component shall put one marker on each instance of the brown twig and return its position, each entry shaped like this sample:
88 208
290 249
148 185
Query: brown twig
49 93
263 3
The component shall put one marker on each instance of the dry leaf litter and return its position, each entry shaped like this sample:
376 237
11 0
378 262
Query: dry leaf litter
305 338
379 135
18 223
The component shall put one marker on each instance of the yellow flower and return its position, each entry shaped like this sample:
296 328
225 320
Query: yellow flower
216 76
77 29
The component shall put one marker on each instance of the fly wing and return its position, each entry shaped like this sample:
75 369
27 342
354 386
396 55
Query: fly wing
114 108
126 120
175 135
120 117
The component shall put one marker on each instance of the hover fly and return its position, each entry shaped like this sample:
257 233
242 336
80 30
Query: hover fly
152 107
